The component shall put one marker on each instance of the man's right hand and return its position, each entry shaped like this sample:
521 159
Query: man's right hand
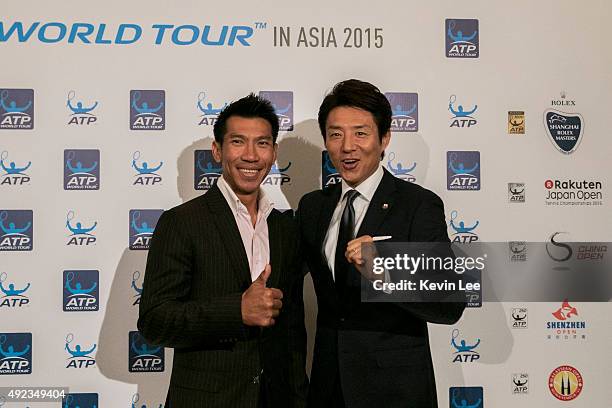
260 305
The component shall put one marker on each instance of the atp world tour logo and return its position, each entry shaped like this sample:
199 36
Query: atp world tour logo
147 110
81 113
16 230
397 168
15 353
13 174
144 357
283 106
329 174
79 355
405 111
206 170
12 297
463 170
466 397
81 292
81 169
16 109
208 110
80 235
564 129
142 225
80 400
146 174
462 39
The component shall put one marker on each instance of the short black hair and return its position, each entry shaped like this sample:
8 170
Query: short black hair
251 106
358 94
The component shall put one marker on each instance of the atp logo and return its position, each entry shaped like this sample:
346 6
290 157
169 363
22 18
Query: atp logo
519 318
464 352
278 176
79 235
330 175
466 397
146 174
79 357
12 297
463 170
462 233
137 290
81 170
282 101
142 225
16 230
462 39
206 170
405 111
15 353
136 399
398 170
80 400
81 292
209 112
462 118
144 357
14 175
147 110
17 109
81 114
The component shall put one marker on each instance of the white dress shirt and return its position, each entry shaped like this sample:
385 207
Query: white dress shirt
255 239
366 190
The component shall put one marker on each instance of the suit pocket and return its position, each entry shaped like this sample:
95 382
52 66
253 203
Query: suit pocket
209 381
400 358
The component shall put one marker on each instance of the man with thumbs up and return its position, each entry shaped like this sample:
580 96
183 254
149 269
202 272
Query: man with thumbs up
223 284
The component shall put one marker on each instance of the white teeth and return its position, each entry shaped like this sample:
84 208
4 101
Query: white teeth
248 171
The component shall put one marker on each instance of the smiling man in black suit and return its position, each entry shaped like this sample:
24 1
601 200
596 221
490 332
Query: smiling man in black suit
367 354
223 284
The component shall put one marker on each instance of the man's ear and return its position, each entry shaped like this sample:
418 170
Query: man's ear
216 151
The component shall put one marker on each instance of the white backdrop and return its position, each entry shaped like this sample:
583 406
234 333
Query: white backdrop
530 54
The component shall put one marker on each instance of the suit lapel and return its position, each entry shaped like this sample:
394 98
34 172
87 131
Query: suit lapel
276 250
230 235
327 210
379 207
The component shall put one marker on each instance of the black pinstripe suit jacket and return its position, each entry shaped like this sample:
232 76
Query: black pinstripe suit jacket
197 270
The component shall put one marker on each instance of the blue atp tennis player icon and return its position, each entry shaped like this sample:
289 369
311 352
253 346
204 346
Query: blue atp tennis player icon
463 170
16 230
138 290
405 111
146 174
81 290
136 399
142 225
13 174
461 117
144 357
80 400
15 353
208 111
462 38
282 101
82 169
399 171
79 357
13 297
206 170
278 175
466 397
16 109
464 353
79 235
329 174
147 110
81 114
463 233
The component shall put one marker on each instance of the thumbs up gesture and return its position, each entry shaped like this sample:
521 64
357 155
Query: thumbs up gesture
260 305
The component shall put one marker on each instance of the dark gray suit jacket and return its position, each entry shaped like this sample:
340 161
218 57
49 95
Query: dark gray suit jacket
378 351
197 270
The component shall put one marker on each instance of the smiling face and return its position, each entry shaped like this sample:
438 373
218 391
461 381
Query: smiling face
353 144
247 154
